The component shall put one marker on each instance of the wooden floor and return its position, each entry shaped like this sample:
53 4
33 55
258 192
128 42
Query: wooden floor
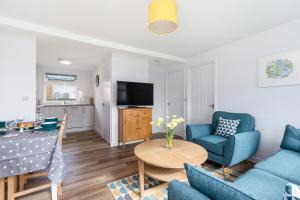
91 164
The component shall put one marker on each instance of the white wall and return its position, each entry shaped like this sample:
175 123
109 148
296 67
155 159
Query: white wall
85 81
125 67
237 87
17 76
103 99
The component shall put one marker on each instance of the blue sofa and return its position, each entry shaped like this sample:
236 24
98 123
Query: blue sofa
231 150
267 181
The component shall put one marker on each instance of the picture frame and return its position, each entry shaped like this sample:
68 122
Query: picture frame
279 69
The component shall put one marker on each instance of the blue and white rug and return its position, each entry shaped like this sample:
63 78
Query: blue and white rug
128 188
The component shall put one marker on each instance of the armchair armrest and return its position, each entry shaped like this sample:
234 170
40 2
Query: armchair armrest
197 130
181 191
240 147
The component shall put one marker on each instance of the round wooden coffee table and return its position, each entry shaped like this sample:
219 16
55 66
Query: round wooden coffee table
163 164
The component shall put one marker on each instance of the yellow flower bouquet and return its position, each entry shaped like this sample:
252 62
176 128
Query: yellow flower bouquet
168 125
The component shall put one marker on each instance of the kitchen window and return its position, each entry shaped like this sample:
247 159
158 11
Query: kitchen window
60 87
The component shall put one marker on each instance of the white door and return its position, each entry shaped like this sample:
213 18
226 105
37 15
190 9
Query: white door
106 111
88 116
201 85
74 119
175 95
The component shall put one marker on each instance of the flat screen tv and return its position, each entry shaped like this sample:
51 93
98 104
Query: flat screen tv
134 94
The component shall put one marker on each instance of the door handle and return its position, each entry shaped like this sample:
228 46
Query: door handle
212 106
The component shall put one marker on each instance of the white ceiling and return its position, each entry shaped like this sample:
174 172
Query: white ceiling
203 24
83 56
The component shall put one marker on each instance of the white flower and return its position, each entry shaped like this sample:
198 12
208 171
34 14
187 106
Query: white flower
160 119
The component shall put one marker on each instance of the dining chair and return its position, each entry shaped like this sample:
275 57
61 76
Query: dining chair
2 188
23 179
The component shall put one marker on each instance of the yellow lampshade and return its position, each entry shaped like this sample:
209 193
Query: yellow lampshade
162 16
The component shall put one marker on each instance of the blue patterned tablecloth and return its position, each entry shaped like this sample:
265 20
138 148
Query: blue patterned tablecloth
26 152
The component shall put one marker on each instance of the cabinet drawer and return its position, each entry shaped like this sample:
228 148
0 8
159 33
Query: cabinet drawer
130 114
144 113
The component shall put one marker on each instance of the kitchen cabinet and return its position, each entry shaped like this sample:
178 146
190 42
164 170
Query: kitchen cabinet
57 111
74 117
88 116
79 117
44 112
134 124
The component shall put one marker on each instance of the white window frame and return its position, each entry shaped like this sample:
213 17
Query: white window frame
59 101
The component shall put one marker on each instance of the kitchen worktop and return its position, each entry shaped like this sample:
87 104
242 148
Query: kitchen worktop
62 105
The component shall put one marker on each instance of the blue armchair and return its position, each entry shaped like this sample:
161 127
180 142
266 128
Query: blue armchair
231 150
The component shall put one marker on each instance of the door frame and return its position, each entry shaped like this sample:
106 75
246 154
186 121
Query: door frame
188 84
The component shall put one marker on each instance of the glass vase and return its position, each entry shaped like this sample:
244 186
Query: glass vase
169 141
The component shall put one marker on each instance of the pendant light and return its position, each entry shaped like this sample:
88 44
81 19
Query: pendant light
162 16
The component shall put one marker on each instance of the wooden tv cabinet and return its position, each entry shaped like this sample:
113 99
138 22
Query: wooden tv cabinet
134 124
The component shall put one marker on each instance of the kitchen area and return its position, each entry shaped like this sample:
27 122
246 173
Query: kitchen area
66 91
80 117
65 82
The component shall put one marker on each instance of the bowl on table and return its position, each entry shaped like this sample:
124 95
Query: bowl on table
48 126
2 124
51 119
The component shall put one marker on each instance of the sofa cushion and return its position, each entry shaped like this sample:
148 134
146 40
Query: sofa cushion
262 185
227 127
212 143
181 191
285 164
247 122
214 187
291 139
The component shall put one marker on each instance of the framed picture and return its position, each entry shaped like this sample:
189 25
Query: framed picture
279 70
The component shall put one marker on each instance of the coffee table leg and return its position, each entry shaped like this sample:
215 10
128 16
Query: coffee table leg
141 176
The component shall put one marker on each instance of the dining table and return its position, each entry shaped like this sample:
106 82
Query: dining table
32 151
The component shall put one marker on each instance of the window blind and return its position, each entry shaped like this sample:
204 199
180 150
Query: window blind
60 77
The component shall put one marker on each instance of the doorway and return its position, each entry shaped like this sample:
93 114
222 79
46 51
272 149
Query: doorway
175 95
201 83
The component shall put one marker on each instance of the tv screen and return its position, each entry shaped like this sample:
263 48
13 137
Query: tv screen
134 94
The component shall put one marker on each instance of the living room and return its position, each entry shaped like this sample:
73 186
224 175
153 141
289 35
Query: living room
210 110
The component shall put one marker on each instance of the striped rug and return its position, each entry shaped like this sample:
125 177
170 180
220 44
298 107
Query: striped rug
128 188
